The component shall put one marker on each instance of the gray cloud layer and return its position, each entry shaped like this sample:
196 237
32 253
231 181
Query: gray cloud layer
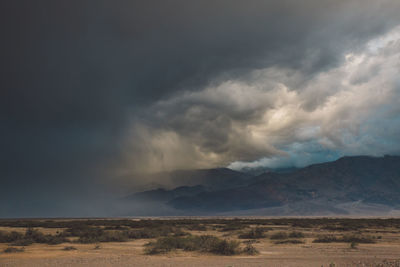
95 90
277 111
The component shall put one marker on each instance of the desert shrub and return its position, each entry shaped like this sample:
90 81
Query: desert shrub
344 239
190 243
87 234
55 239
35 236
205 243
357 239
289 241
250 250
251 241
253 234
31 236
13 250
90 236
69 248
179 232
113 236
225 247
22 242
353 245
202 243
339 228
326 239
82 231
166 244
303 224
103 236
155 232
196 227
233 226
8 237
296 234
279 235
143 234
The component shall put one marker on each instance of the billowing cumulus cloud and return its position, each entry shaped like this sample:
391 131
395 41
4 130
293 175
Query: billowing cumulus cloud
278 112
91 92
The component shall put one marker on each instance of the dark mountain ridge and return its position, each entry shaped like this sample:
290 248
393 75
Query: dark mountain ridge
374 180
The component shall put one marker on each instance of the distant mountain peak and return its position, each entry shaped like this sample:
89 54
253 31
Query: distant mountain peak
330 186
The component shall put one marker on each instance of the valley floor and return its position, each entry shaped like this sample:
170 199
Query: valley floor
131 254
384 252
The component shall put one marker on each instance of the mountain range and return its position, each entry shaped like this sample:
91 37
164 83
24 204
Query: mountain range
349 185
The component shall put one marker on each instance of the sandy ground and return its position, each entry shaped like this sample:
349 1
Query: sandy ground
386 252
131 254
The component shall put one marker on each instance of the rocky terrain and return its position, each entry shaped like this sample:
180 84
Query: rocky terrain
345 186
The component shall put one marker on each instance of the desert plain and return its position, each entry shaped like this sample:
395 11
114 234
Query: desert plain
200 242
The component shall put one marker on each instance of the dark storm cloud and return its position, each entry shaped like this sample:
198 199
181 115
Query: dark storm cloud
86 60
75 75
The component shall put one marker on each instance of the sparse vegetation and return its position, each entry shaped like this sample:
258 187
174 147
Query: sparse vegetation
250 250
236 224
31 236
353 245
296 234
204 243
8 237
358 239
254 233
181 234
13 250
326 239
233 226
279 235
196 227
69 248
99 235
225 247
22 242
155 232
344 239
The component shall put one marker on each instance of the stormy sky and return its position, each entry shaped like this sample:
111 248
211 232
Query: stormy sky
95 93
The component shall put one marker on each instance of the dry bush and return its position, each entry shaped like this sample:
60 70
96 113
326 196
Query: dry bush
156 232
31 236
279 235
8 237
196 227
253 233
103 236
250 250
326 239
233 226
296 234
344 239
204 243
13 250
69 248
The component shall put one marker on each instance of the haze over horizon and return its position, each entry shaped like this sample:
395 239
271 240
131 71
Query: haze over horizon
97 94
